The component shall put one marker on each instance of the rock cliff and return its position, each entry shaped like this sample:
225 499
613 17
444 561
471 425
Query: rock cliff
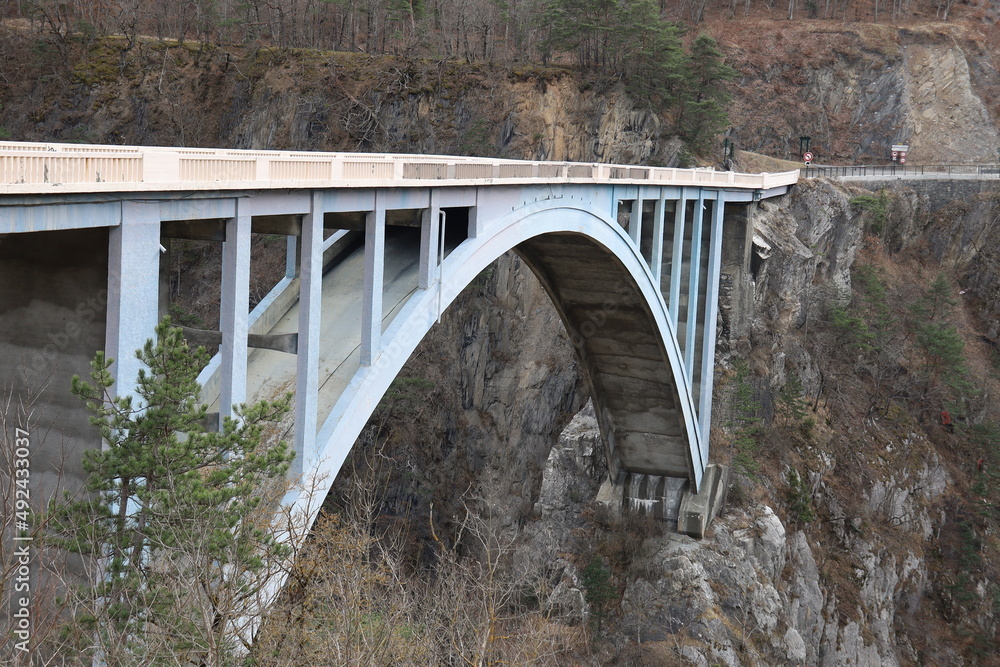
479 416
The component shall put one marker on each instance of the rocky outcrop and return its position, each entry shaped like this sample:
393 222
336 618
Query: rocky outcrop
946 120
765 587
755 591
856 89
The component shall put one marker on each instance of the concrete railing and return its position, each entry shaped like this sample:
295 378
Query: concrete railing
39 167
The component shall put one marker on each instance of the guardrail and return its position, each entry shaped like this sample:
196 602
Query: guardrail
966 171
39 167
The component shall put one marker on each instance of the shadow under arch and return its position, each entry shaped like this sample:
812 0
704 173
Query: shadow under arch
621 331
636 389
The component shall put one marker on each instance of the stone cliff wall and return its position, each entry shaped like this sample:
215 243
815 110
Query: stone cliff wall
858 88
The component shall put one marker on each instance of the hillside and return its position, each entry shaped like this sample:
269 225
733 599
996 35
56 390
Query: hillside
860 529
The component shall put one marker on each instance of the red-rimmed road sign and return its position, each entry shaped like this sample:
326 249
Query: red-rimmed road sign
808 157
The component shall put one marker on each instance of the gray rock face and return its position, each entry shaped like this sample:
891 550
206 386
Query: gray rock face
758 591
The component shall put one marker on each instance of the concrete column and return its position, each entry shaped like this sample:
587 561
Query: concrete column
310 306
677 261
475 220
694 273
371 316
711 321
635 222
430 227
233 315
658 237
133 290
291 257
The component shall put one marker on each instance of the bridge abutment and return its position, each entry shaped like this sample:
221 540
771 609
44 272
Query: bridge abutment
669 499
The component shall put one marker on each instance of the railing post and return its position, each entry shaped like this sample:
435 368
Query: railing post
160 167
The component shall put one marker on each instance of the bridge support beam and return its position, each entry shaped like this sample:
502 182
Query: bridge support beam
657 258
234 314
677 262
694 278
430 227
371 314
291 257
307 364
133 289
635 221
711 322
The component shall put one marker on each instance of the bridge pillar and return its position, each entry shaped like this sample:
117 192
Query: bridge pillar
694 278
291 257
371 315
133 289
711 321
635 221
310 305
677 262
233 317
430 227
657 258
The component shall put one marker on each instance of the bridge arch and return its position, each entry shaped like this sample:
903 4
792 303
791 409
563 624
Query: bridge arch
612 309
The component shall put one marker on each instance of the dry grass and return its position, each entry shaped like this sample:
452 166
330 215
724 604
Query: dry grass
756 163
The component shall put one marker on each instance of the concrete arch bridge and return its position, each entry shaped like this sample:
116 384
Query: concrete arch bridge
377 247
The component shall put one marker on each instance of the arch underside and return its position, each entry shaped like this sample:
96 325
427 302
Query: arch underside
615 334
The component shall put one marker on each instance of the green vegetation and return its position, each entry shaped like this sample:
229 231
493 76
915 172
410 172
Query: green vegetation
793 410
176 518
799 498
943 351
877 206
630 41
748 425
901 346
184 318
598 590
706 94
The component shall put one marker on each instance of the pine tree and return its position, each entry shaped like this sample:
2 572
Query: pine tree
706 94
177 516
